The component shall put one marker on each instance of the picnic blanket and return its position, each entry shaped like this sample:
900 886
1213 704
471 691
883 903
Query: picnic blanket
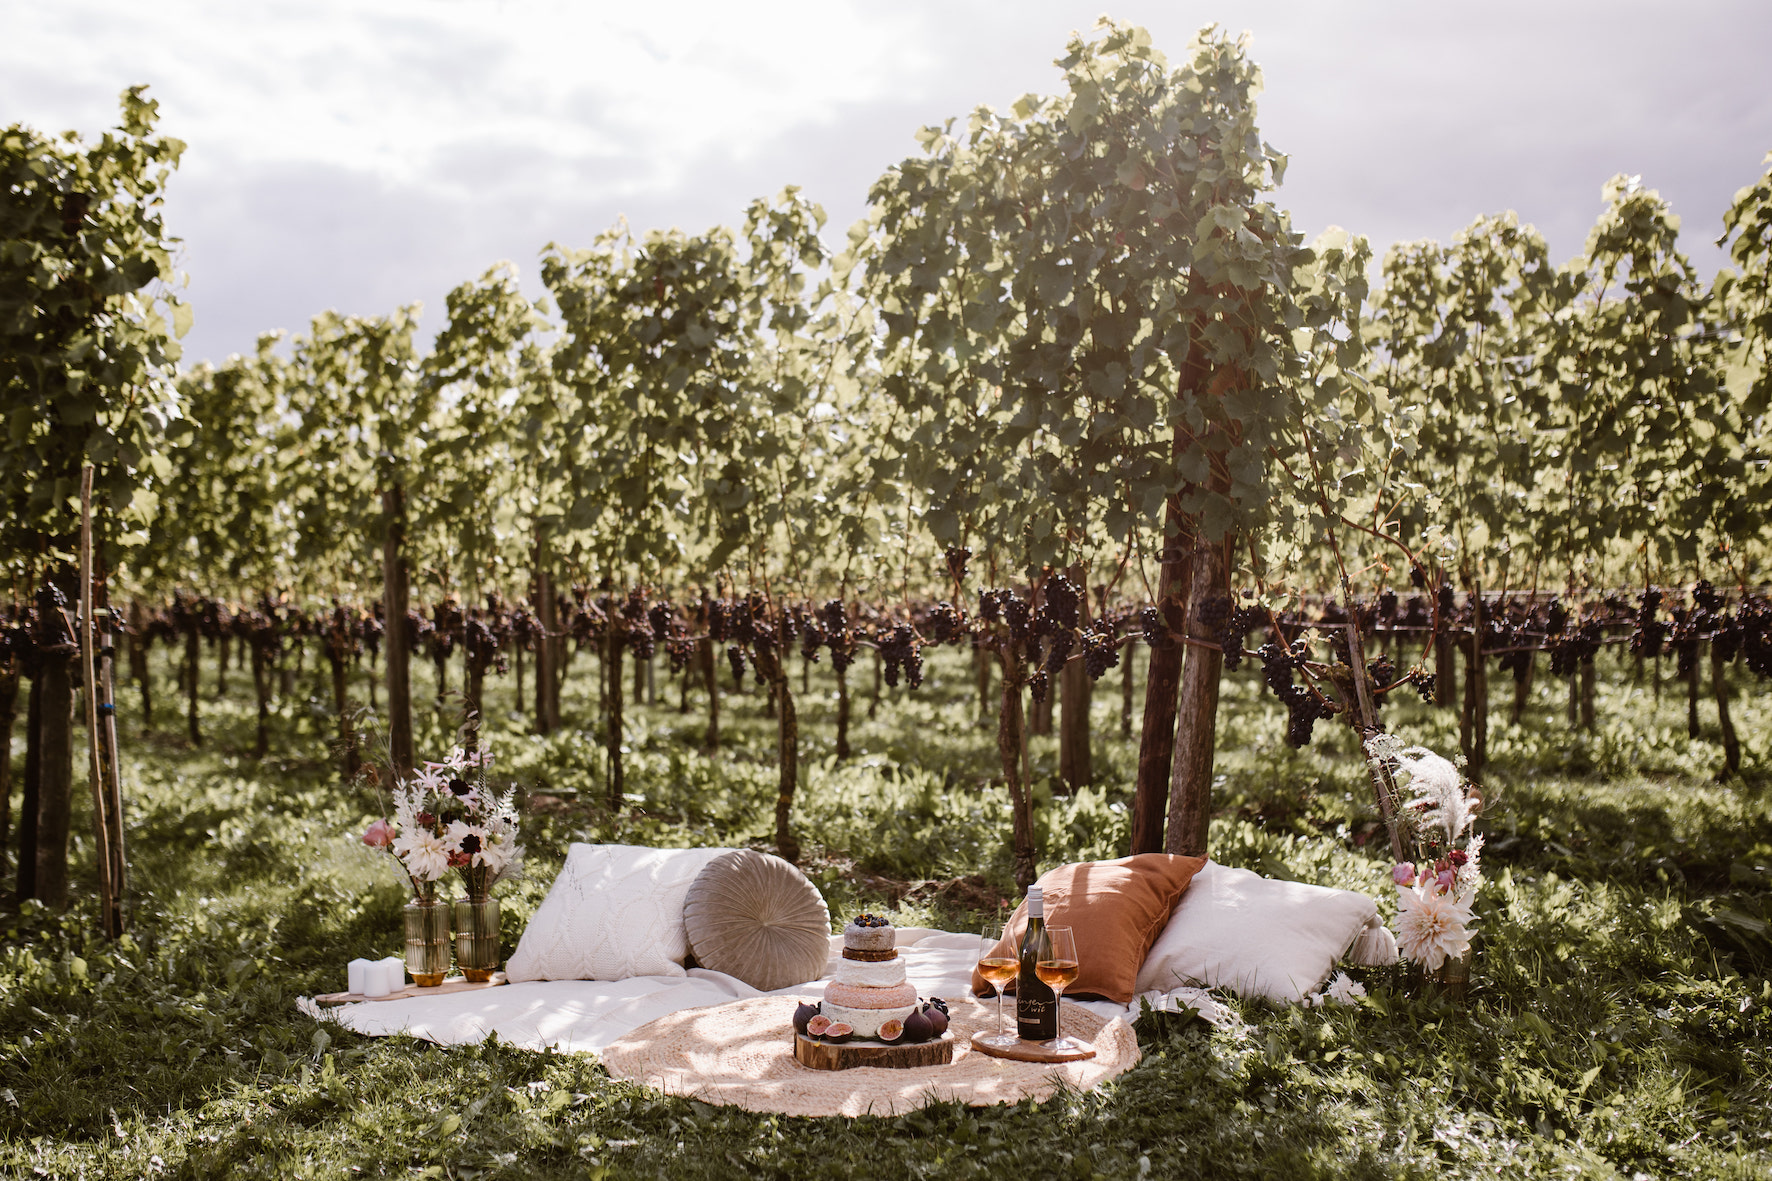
590 1015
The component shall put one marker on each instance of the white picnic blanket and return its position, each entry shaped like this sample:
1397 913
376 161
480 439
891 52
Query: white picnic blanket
587 1015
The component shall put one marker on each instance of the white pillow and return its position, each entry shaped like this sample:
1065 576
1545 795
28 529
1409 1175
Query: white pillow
1257 937
615 911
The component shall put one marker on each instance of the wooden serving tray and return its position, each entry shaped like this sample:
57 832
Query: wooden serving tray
453 984
819 1054
1029 1051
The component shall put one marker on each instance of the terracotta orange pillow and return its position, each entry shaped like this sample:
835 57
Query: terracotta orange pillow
1115 910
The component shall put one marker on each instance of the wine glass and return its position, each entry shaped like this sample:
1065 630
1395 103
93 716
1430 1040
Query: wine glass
998 968
1057 969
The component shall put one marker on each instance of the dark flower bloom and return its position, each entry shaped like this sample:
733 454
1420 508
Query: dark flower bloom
460 787
471 843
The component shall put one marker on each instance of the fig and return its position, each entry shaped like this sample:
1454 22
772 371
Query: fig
918 1028
838 1031
891 1030
936 1002
804 1015
938 1020
818 1026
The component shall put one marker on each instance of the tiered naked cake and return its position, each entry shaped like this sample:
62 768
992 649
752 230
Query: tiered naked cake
869 987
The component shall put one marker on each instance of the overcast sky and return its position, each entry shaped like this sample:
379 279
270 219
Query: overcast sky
360 154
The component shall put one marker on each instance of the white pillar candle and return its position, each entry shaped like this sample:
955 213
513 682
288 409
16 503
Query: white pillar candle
375 979
354 973
396 972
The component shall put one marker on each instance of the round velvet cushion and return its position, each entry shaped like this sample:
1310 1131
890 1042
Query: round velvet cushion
756 917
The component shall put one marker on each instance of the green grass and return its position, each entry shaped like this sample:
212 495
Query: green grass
1617 1023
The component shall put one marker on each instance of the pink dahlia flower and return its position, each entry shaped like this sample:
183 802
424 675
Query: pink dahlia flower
1403 874
380 835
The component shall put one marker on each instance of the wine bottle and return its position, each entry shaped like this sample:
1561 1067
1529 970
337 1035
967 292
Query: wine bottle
1036 1005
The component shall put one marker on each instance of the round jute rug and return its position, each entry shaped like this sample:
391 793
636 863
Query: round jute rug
742 1054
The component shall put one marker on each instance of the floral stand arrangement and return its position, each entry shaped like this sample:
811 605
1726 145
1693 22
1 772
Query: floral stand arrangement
448 817
1435 893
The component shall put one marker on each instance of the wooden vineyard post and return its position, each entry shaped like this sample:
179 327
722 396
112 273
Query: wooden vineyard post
1384 785
109 913
1720 685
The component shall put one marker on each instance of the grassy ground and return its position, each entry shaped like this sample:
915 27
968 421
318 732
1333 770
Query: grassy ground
1617 1024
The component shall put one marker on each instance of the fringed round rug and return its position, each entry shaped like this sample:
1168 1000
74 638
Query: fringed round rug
742 1054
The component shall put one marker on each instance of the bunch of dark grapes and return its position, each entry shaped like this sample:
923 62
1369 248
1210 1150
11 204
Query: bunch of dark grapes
812 634
1706 596
1058 650
1383 671
1647 632
946 623
1754 620
1448 604
1387 603
1059 606
899 650
957 556
1039 685
1231 626
1417 576
1683 637
833 621
661 615
1154 628
720 613
735 658
1422 682
1556 617
1008 608
637 631
681 650
1101 650
524 629
1303 707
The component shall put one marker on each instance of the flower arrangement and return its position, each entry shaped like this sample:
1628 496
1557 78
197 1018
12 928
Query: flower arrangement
1435 894
446 817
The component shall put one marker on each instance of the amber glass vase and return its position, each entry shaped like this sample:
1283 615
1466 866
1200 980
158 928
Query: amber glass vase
427 941
476 936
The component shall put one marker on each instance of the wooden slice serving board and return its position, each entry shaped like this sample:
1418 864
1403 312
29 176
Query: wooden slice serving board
1029 1051
822 1055
453 984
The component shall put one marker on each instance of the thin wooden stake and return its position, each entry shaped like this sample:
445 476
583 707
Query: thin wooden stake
109 914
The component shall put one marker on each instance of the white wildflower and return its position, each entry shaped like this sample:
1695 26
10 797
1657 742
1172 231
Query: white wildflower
1344 989
425 853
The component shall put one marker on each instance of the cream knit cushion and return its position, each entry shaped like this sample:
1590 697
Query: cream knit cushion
756 917
615 911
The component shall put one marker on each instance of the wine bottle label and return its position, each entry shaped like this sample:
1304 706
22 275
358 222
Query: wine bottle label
1036 1018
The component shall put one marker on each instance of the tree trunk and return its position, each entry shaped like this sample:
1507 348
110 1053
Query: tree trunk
787 750
1009 750
517 666
1587 695
192 653
842 713
1692 699
612 740
1196 722
1075 768
341 701
652 679
396 595
981 667
1126 676
1572 712
287 668
224 647
8 713
547 705
1156 746
683 679
56 770
139 639
27 813
1445 678
474 686
704 655
1522 684
1474 721
261 685
639 681
1719 681
874 701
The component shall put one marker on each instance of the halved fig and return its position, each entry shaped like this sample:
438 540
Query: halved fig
819 1025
